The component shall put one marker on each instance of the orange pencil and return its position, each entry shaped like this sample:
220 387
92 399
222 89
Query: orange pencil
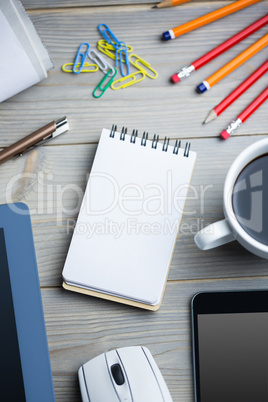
206 19
169 3
233 64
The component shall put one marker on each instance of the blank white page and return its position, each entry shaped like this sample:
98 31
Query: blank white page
127 226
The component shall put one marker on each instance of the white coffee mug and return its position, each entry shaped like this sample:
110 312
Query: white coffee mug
229 229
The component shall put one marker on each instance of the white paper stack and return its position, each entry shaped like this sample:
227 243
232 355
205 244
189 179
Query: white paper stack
24 61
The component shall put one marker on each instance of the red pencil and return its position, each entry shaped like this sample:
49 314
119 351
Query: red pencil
187 70
245 114
214 113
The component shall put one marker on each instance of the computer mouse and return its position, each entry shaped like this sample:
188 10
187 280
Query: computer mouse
127 374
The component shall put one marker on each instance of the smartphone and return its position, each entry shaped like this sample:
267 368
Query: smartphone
230 346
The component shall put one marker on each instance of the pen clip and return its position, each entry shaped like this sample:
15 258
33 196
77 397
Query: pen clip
61 127
39 144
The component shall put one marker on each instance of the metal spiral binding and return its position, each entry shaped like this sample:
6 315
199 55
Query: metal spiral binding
165 145
155 140
123 134
133 136
113 130
187 149
176 147
144 139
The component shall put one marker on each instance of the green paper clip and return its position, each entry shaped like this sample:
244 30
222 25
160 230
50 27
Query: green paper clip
100 85
141 68
134 80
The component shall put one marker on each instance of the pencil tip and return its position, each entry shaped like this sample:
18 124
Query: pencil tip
211 116
154 7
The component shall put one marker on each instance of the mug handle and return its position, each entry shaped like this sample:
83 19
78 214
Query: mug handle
214 235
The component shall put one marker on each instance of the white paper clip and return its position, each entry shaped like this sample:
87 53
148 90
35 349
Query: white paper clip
104 66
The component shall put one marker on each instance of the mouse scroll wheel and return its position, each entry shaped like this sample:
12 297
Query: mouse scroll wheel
117 374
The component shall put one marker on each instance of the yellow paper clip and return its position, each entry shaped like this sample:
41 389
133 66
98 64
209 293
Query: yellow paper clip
144 63
132 82
100 86
110 50
67 70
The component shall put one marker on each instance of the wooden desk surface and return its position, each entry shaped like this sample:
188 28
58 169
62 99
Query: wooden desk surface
51 180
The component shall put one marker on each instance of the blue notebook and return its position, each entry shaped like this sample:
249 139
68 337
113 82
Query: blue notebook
25 372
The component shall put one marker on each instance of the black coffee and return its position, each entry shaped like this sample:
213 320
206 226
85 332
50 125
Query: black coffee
250 199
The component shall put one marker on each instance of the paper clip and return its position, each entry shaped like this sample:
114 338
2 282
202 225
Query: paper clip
123 51
110 39
100 86
132 82
81 55
111 52
145 63
101 62
67 70
113 41
105 48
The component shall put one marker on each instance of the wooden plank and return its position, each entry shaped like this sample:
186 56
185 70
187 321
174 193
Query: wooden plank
54 4
51 180
80 328
153 105
51 4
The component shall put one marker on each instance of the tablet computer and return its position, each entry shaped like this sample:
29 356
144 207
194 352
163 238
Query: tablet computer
25 372
230 346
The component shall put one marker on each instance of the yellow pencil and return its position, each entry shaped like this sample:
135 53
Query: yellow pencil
233 64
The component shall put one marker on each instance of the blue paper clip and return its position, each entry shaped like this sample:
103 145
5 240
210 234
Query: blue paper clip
117 47
109 38
125 52
78 63
100 86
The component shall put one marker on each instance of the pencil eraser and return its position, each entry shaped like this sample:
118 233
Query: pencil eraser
201 88
225 135
166 35
175 78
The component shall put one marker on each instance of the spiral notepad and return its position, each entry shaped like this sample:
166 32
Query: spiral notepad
129 219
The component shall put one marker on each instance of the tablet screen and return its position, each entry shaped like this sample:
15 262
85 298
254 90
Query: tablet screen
233 357
11 380
230 346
